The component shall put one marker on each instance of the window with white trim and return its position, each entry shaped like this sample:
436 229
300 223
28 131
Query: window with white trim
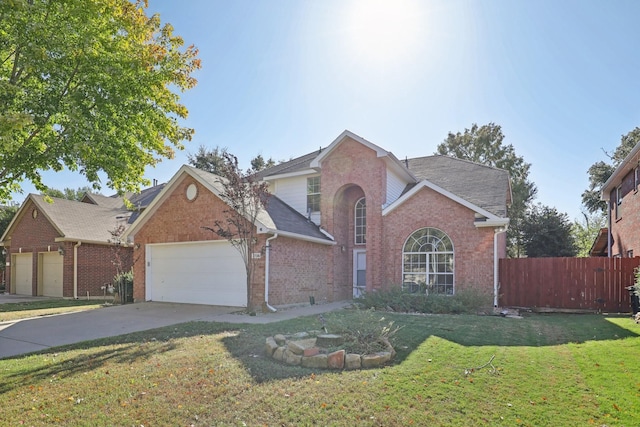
427 262
313 194
360 224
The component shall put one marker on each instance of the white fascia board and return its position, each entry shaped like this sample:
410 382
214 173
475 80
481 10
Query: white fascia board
619 173
502 222
87 241
448 194
300 237
290 174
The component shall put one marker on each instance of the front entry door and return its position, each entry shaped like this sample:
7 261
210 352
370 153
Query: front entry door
359 272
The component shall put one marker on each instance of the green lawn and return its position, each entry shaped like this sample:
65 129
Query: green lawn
45 307
551 370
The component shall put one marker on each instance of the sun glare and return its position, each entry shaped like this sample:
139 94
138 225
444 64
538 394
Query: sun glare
384 30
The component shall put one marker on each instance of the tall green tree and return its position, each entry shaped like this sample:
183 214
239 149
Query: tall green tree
601 171
586 230
246 198
6 215
68 193
258 163
210 160
485 145
548 233
91 86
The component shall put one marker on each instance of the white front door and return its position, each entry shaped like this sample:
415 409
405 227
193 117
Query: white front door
359 272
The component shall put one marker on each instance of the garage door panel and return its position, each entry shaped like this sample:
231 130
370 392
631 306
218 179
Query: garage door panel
197 273
23 274
52 274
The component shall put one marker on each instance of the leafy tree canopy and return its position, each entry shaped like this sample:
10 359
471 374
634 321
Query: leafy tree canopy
68 193
258 163
586 230
547 233
90 86
6 215
485 145
209 160
601 171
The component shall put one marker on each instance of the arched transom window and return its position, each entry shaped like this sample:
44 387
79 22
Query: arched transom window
360 229
427 262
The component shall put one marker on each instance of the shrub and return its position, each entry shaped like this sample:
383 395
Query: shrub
123 283
396 299
365 332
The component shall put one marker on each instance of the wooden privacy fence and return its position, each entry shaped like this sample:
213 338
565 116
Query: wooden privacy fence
569 283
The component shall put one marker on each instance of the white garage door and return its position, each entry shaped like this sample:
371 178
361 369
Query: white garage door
196 273
23 274
52 274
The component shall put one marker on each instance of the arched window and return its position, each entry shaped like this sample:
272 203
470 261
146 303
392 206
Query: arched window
360 229
427 262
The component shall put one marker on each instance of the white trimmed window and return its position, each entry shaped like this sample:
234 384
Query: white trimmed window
427 262
313 194
360 228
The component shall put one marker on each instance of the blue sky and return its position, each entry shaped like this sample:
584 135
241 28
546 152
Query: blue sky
282 78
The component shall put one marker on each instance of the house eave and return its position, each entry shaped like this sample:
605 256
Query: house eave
299 236
625 166
291 174
427 184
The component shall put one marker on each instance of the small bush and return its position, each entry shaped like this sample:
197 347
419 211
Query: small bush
464 301
365 332
123 283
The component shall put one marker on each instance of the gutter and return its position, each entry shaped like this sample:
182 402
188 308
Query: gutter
266 274
75 269
496 231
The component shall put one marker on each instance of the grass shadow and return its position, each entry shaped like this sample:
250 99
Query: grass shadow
246 342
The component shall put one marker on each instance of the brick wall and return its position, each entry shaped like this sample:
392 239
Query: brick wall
177 219
95 262
625 230
297 271
353 165
473 247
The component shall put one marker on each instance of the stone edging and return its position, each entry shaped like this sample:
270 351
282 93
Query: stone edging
300 350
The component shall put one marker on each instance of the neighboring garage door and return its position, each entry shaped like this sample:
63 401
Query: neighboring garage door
196 273
51 274
22 272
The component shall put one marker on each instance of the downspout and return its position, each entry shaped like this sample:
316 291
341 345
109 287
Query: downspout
496 231
266 275
75 270
609 242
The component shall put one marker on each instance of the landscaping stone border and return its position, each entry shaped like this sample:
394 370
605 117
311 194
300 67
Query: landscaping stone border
301 349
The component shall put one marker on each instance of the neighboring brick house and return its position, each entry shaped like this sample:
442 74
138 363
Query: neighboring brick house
621 193
340 221
65 248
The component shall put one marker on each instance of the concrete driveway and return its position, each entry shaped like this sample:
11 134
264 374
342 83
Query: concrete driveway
29 335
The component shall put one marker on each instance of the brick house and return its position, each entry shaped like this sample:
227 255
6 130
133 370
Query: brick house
64 248
340 221
621 193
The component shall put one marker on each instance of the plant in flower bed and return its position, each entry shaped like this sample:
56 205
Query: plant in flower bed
364 332
468 301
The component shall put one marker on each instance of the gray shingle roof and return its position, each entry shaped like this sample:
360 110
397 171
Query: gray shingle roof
289 220
484 186
294 165
278 215
81 221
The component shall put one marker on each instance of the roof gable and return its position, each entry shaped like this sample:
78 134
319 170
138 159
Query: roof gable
276 218
484 187
73 220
